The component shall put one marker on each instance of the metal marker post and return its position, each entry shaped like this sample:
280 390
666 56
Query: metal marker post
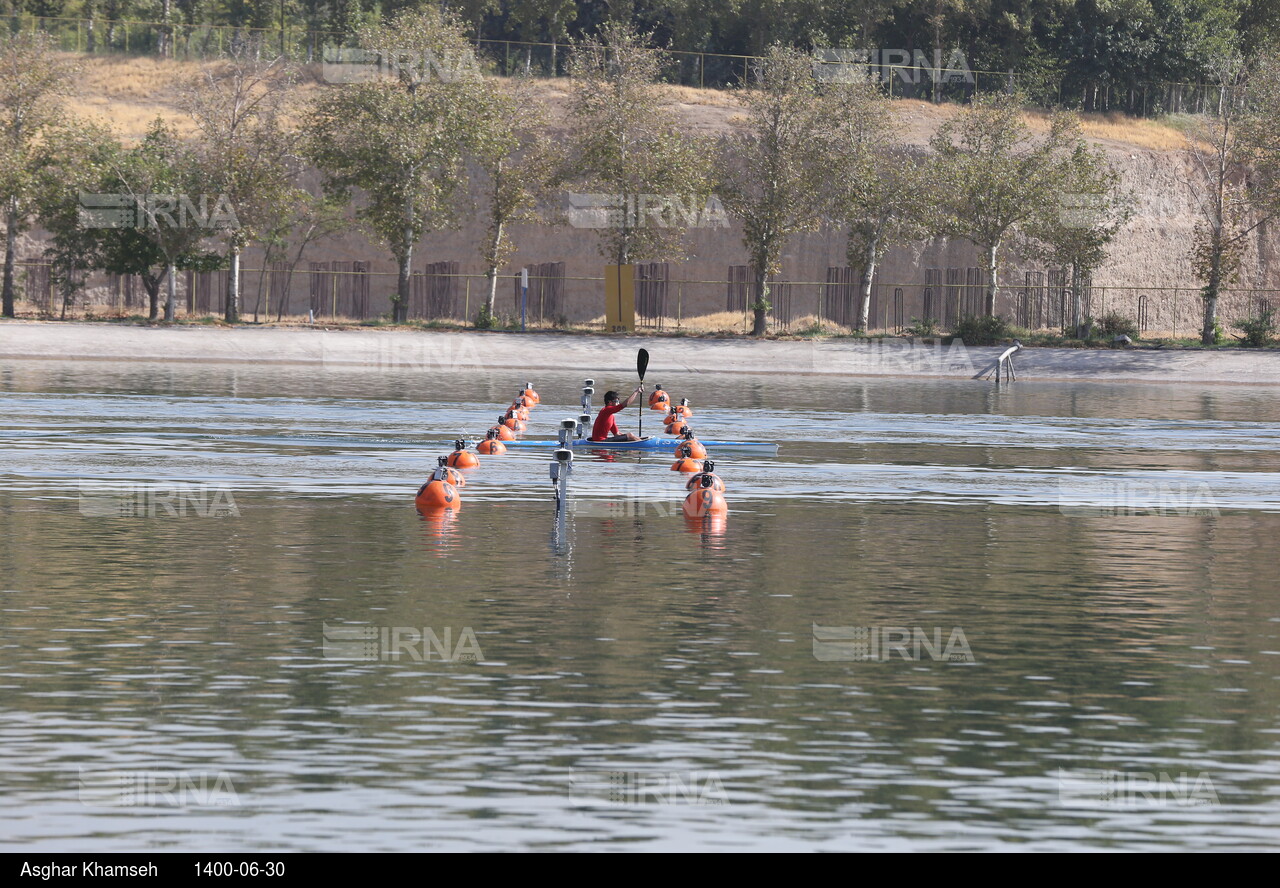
524 294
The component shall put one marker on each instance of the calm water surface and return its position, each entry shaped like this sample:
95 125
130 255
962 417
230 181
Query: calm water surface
1107 554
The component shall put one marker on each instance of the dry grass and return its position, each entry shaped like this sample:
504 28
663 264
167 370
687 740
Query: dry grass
1139 132
129 92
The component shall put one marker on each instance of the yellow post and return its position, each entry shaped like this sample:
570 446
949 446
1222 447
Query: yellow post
620 298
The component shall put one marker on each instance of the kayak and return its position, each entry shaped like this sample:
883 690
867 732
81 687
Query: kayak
648 444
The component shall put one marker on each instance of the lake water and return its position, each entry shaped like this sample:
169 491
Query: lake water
945 615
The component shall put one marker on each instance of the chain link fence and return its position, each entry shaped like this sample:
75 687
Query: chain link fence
938 83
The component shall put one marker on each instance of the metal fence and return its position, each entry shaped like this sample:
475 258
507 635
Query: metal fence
196 41
350 292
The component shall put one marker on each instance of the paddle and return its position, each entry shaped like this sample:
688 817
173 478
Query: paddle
642 364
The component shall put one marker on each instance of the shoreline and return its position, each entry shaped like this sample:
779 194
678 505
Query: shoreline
457 351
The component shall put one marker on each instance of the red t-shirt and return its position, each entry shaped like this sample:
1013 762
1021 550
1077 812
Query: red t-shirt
606 426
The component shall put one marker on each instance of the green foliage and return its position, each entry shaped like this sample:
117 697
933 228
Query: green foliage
1113 324
34 81
485 319
983 330
623 141
995 180
924 327
768 172
1258 330
401 141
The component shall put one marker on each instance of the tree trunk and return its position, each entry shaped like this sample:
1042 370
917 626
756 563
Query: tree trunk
166 38
10 255
1076 307
1213 285
760 326
262 274
492 272
232 314
992 283
171 302
400 312
152 283
68 290
869 261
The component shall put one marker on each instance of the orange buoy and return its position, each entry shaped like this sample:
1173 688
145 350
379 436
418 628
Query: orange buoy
528 393
503 433
705 501
691 447
452 475
687 464
708 471
437 493
492 445
462 458
710 528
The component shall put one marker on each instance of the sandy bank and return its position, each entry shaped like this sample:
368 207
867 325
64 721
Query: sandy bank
469 352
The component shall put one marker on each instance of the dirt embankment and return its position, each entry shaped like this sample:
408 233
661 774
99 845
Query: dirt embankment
1151 252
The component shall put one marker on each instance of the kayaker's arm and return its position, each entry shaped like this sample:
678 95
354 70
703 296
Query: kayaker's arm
637 393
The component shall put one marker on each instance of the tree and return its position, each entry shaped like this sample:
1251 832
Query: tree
767 171
246 153
311 218
875 185
1218 183
1092 211
33 82
76 159
622 142
401 140
993 177
548 19
514 171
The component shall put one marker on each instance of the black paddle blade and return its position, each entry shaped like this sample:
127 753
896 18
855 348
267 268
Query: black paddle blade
642 362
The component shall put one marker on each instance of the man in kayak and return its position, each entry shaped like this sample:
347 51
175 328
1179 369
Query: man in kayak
605 431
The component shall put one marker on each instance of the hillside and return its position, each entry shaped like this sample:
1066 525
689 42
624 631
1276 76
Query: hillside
128 93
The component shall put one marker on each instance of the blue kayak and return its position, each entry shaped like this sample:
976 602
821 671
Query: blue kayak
647 444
